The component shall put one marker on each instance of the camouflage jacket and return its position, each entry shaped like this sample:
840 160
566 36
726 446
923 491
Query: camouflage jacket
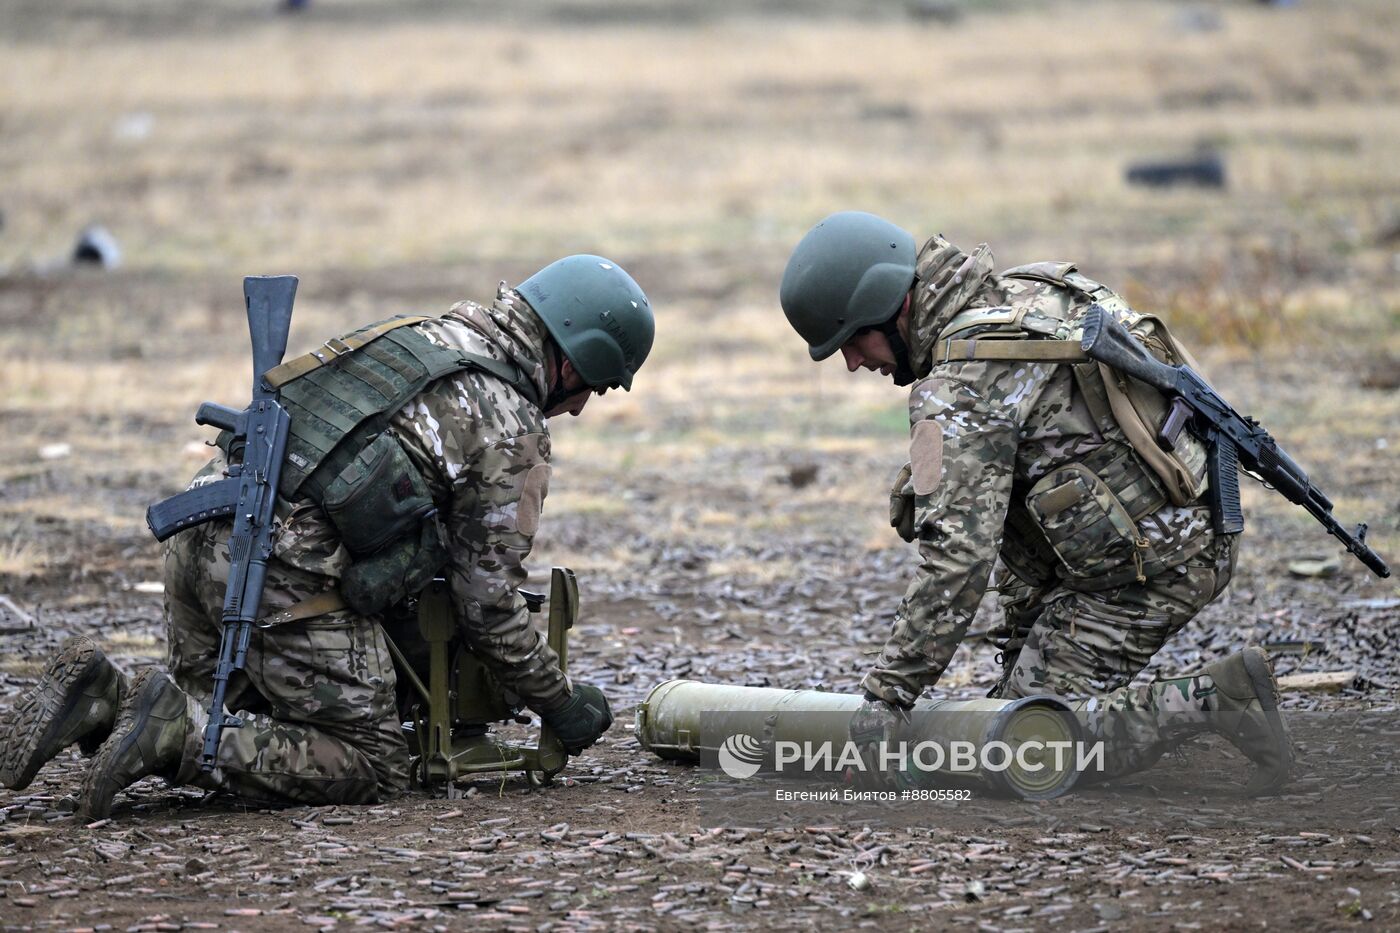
484 451
983 433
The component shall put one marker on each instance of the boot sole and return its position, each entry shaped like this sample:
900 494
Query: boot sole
33 735
97 804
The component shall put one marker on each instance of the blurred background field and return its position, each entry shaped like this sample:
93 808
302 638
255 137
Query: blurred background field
399 156
728 517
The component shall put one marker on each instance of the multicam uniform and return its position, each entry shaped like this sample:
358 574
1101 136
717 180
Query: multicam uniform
318 692
1015 460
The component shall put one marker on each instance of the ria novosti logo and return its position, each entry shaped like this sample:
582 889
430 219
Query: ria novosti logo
741 755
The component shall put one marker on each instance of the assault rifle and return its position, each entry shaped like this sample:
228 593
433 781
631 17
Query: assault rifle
1232 439
248 492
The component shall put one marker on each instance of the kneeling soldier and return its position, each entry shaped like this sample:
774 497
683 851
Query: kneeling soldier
447 413
1045 465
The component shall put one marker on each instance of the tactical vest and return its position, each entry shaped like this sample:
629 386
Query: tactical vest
1087 512
341 398
341 395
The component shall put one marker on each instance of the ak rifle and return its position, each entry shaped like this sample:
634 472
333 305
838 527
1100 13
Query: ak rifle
1233 440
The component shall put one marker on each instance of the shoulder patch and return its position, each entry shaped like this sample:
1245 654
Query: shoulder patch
527 516
926 457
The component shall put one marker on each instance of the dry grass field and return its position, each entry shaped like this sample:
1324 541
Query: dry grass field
399 157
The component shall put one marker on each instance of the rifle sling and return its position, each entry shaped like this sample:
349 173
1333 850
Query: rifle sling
312 606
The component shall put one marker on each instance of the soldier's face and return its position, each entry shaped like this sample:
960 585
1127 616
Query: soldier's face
572 405
869 349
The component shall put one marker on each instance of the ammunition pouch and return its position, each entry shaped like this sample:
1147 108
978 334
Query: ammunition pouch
1088 528
381 507
1086 515
396 571
1137 410
378 498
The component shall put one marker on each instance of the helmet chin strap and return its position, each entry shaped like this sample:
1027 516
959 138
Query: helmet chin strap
903 373
557 392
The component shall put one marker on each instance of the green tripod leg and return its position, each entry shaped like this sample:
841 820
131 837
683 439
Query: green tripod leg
563 611
439 754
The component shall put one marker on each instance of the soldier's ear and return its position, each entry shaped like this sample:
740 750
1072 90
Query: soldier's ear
568 376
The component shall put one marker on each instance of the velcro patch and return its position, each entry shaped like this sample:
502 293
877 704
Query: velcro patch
1060 498
926 457
527 515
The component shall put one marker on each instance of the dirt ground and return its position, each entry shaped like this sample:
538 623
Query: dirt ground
726 518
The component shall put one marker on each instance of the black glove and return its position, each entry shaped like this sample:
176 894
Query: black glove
581 720
876 723
902 504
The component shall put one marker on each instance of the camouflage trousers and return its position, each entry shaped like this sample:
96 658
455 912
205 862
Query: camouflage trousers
1087 647
316 696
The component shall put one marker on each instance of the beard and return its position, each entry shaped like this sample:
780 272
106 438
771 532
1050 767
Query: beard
557 394
903 373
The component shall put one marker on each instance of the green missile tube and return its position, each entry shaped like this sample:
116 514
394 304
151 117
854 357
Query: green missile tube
681 719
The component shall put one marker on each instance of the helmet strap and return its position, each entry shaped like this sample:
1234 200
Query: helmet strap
903 367
557 392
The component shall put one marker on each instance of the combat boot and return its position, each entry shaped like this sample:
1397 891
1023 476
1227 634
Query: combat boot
1246 712
149 739
76 700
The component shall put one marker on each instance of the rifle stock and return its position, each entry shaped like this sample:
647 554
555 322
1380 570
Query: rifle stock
269 300
1110 343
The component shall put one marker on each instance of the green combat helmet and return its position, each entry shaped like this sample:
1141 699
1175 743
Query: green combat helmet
597 314
850 271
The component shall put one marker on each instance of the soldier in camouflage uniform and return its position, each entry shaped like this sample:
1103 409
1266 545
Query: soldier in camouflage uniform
317 696
1018 460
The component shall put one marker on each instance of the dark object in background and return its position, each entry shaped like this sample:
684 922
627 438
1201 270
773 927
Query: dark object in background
1203 171
293 6
1195 20
97 246
1382 372
802 475
935 11
1387 235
